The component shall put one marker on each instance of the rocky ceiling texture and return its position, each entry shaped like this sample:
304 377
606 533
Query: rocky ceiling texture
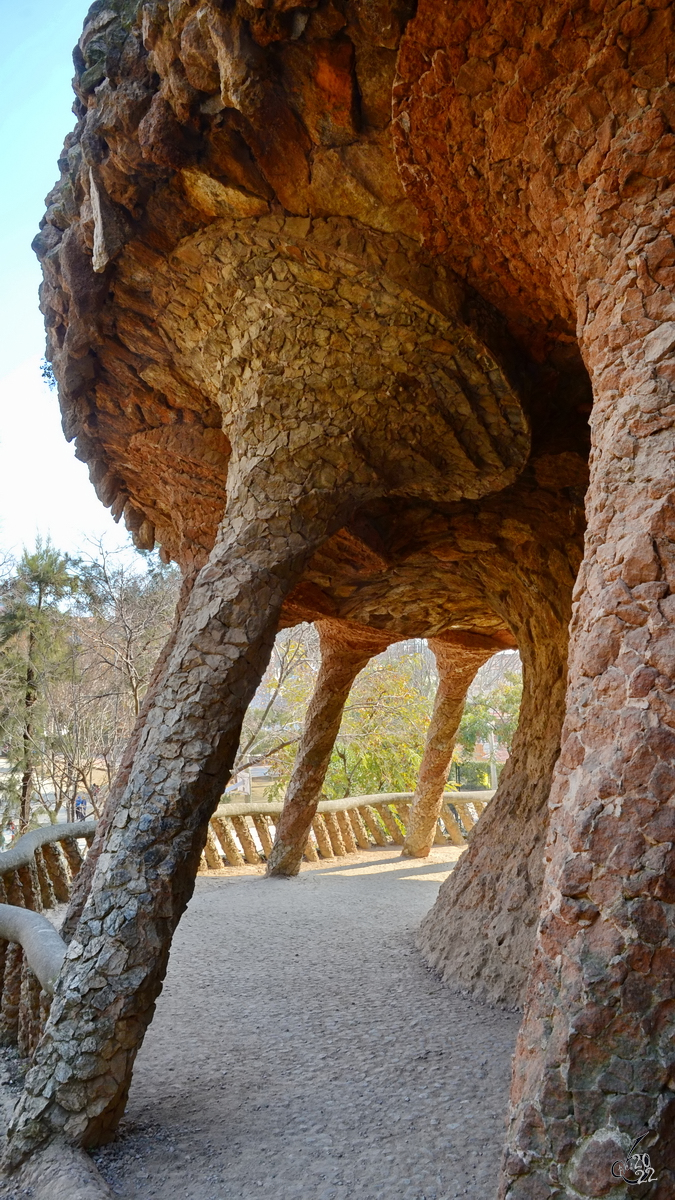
330 292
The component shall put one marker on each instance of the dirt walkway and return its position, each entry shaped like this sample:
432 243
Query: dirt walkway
301 1051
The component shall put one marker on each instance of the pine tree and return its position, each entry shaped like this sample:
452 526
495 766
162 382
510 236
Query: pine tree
30 625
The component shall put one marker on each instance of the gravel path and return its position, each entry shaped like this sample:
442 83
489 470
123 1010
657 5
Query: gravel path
301 1050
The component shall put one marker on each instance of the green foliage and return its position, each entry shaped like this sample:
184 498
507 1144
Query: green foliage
34 653
381 740
471 776
492 713
32 595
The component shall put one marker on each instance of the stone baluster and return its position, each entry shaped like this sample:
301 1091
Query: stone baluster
458 657
370 820
452 829
225 836
57 869
359 829
246 841
74 856
211 851
11 995
391 824
28 1020
465 814
31 886
47 894
335 835
260 820
14 889
322 837
347 832
311 853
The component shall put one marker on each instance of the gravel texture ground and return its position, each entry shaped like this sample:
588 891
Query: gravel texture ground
302 1051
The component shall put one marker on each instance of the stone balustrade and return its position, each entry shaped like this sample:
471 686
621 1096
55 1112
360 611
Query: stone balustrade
243 834
36 876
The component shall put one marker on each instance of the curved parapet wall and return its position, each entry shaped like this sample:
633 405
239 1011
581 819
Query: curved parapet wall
23 851
43 947
244 833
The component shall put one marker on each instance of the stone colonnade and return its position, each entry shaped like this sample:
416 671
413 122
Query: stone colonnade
536 144
298 472
345 650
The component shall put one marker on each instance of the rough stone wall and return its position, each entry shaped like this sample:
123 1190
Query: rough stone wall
564 143
480 933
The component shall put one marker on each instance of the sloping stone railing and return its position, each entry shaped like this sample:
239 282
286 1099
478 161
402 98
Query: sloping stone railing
37 873
243 834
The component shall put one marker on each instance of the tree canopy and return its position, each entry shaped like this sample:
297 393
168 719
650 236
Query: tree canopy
78 642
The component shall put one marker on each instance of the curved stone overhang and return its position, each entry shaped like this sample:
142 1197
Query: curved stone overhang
230 209
254 147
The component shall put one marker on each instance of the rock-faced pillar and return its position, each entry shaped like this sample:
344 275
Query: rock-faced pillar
458 657
345 650
79 1080
595 1062
479 935
564 217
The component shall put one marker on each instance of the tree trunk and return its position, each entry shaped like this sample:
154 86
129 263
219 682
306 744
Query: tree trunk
29 701
345 650
458 657
105 996
595 1059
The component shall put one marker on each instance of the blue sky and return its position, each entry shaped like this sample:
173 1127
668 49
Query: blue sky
42 486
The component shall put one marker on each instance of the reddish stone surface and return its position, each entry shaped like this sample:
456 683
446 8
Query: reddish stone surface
548 183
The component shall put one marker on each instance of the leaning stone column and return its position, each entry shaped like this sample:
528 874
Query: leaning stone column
345 650
117 958
458 657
